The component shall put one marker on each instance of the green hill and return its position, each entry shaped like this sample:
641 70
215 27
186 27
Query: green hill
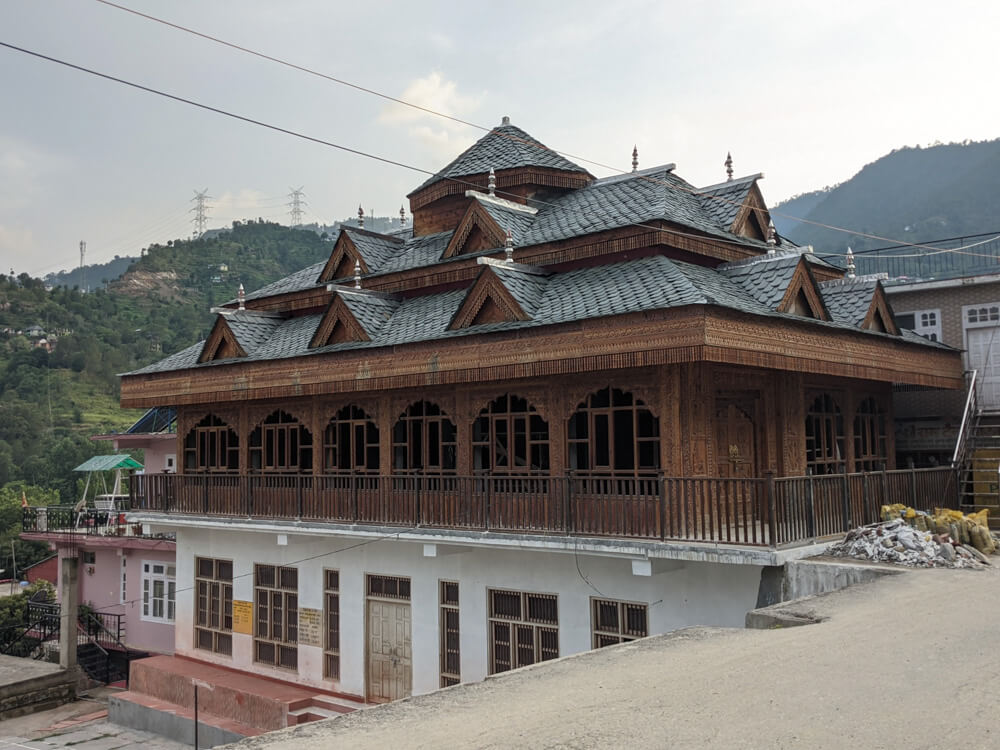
911 195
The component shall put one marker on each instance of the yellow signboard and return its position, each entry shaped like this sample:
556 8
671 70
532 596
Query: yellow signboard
242 617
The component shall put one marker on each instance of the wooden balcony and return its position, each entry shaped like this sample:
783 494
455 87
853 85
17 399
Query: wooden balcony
765 512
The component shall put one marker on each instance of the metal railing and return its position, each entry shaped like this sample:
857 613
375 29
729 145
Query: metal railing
89 521
969 415
750 512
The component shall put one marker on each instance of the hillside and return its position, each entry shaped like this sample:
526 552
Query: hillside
94 276
912 195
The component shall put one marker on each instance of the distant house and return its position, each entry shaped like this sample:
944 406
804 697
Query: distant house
43 570
34 332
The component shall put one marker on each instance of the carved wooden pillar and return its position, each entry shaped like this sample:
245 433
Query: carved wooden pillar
385 418
671 455
463 416
317 426
243 428
890 427
791 424
557 411
848 401
696 395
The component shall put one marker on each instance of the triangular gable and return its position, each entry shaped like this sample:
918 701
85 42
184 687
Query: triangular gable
879 316
488 301
477 231
342 259
221 343
753 217
802 295
337 326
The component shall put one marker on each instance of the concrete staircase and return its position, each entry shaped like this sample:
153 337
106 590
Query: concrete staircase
231 704
981 473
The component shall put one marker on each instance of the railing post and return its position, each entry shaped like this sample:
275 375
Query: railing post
488 500
354 494
416 502
885 488
299 480
204 484
568 504
846 496
864 498
811 519
663 506
772 519
913 487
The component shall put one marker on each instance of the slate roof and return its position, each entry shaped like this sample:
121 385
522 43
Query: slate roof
504 147
723 202
376 249
848 301
648 283
252 330
767 279
296 282
508 217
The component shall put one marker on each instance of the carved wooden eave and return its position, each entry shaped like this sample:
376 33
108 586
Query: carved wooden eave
753 217
651 338
488 301
879 316
221 343
803 294
340 265
476 232
337 326
506 179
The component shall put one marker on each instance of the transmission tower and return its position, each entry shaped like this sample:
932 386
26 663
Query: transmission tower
201 209
83 267
295 207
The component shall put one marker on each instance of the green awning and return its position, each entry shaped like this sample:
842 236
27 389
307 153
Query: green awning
109 463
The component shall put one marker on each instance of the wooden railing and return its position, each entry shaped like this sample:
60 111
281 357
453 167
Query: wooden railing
750 512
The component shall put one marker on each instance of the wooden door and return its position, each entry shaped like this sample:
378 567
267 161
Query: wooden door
735 438
390 653
984 356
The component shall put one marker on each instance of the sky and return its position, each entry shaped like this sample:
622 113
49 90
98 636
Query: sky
805 92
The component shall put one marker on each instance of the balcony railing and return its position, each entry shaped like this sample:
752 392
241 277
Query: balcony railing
767 512
65 519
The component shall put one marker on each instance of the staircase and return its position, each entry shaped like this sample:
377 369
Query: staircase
977 456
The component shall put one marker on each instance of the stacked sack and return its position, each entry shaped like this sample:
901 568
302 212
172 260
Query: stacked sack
968 529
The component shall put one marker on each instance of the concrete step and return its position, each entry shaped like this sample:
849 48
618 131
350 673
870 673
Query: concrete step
335 703
174 721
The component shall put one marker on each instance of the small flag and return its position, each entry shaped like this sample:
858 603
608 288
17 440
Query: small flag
24 500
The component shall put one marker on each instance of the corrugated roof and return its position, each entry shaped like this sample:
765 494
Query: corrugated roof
109 463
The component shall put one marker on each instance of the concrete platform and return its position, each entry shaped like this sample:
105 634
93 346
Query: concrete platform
231 704
27 685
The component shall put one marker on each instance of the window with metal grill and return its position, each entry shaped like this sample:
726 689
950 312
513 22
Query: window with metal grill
214 607
389 587
276 621
451 664
351 443
616 622
523 628
211 445
331 613
281 444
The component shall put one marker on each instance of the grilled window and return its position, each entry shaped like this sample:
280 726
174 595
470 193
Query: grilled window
869 437
616 622
350 443
211 445
281 444
214 616
824 437
276 620
331 615
509 437
612 432
389 587
451 663
523 628
423 440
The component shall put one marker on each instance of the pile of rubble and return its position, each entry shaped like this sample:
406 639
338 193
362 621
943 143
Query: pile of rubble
944 539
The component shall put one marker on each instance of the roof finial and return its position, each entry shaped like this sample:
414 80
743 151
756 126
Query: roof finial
241 296
402 216
850 263
492 182
361 217
772 236
729 167
635 158
357 273
505 120
509 247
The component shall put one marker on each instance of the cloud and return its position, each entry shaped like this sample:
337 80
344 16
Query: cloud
23 170
439 135
16 247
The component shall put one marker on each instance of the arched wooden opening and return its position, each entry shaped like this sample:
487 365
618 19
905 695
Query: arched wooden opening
825 437
612 432
211 446
281 445
870 452
510 437
350 443
423 441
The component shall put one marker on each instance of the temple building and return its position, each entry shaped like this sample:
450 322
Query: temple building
549 413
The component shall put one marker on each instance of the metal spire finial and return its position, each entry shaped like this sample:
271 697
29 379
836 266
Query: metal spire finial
361 216
509 247
492 182
402 216
729 167
505 120
357 273
850 263
772 236
635 158
241 296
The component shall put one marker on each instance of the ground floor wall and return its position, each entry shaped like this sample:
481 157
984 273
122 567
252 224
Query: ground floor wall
111 580
675 594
